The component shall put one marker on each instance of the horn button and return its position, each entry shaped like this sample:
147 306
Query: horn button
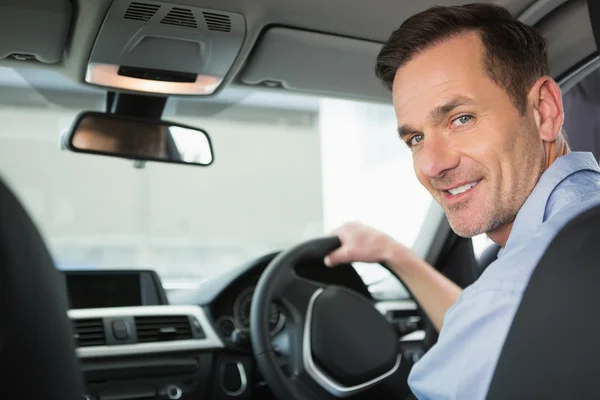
352 343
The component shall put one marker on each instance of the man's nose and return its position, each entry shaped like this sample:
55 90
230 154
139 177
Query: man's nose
437 156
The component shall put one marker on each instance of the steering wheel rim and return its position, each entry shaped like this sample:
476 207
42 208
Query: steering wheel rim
280 282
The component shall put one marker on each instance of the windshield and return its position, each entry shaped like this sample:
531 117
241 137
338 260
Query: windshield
287 168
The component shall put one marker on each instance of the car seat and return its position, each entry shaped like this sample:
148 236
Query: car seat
37 352
552 349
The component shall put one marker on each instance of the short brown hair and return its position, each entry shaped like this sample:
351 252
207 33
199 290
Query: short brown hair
515 53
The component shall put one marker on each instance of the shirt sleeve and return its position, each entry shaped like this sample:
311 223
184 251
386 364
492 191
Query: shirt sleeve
461 364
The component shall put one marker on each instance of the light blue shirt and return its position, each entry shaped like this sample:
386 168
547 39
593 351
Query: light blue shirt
462 363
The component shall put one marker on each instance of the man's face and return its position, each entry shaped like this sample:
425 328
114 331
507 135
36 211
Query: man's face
472 149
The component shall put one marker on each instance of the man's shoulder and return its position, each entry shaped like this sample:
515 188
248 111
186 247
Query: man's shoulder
574 195
511 271
575 192
471 340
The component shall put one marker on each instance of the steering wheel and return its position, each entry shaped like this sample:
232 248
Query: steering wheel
340 345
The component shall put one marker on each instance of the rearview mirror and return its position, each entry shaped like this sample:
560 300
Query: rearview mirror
139 139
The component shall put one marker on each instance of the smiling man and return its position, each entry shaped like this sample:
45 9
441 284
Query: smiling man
476 105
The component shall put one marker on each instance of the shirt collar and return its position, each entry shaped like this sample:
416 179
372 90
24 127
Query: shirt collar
531 214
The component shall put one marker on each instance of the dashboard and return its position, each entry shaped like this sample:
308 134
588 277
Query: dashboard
237 316
231 308
134 341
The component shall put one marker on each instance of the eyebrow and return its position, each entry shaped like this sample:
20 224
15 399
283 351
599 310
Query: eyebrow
438 113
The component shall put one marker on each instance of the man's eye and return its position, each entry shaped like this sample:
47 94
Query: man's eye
462 120
416 139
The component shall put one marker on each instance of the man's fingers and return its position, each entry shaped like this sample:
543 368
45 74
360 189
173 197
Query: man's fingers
346 235
336 257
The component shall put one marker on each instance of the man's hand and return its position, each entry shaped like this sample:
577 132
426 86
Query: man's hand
360 243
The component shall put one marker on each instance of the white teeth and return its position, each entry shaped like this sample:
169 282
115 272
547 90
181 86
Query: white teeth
462 189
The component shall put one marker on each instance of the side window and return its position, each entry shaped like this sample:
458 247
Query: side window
582 120
480 244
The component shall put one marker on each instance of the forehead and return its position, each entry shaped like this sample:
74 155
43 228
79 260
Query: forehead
452 68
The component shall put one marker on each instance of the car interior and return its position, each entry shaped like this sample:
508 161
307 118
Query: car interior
170 171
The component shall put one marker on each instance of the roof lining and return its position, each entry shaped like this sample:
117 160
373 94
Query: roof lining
89 15
537 11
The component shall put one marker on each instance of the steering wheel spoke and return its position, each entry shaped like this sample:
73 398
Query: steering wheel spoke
297 294
296 297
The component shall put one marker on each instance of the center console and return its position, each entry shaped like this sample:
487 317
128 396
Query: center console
114 288
133 345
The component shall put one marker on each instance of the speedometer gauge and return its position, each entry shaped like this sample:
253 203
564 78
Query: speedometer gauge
241 312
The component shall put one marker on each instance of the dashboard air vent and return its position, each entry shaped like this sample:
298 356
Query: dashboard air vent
163 328
406 321
217 22
141 11
89 332
180 17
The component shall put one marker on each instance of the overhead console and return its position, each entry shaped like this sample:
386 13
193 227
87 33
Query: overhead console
331 65
164 48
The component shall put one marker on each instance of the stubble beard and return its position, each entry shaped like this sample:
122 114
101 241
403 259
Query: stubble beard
490 219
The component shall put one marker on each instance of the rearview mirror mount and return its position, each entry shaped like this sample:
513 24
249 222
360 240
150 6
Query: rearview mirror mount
139 139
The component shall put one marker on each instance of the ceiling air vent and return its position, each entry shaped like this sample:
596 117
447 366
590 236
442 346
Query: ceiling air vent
89 332
217 22
163 328
180 17
141 11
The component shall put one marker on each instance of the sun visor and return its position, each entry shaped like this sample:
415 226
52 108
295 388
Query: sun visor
34 29
164 48
320 63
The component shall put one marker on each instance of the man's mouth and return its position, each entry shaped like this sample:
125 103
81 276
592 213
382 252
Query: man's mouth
458 192
462 189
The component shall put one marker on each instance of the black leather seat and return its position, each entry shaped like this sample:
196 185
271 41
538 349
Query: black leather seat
552 350
37 354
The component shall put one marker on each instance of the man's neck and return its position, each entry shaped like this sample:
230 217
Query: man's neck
500 235
555 149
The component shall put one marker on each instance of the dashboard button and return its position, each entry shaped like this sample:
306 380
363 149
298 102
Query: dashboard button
120 329
173 392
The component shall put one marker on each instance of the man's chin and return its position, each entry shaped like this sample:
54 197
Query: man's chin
466 232
469 218
466 227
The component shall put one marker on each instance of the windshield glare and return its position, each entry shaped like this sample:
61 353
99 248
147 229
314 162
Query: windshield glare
287 168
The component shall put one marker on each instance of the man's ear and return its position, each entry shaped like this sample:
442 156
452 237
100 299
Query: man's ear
548 110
